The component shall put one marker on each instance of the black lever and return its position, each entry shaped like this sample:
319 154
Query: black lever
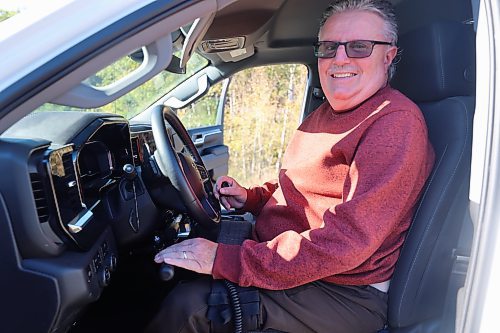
166 272
129 171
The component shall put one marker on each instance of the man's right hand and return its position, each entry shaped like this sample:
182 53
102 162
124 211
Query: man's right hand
232 195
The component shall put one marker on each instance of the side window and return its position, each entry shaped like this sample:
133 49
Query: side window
258 113
206 111
262 109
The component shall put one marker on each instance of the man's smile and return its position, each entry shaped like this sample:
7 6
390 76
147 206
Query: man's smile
342 75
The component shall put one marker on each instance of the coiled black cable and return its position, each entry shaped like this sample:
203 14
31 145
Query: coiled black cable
235 302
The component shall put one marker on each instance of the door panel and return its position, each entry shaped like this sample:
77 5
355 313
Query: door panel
210 144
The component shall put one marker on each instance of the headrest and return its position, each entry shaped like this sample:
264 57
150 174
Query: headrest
436 61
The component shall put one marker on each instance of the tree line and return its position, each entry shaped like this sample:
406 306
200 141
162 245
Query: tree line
261 110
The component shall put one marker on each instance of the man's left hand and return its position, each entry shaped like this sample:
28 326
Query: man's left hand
196 254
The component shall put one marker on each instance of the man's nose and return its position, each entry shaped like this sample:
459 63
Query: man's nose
341 55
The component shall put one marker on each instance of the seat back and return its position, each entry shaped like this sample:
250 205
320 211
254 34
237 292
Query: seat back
436 71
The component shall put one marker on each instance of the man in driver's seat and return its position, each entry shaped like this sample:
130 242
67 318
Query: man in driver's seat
329 230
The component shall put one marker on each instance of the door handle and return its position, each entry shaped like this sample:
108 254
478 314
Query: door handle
198 140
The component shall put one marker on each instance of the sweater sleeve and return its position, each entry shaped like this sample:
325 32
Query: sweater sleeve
390 166
257 196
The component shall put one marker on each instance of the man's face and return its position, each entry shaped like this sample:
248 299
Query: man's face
346 81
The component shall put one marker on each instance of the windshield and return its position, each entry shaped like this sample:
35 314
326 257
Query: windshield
141 97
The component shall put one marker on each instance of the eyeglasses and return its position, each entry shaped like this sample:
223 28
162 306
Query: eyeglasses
353 48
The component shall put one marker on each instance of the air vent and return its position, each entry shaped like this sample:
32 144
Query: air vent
222 45
42 208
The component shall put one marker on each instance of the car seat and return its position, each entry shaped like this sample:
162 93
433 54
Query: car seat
437 71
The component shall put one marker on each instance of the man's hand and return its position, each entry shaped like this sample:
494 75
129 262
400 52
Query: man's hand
196 254
232 196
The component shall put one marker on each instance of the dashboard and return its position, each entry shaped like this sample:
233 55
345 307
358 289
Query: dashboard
72 193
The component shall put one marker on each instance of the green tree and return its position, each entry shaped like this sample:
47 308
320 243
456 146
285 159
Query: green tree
262 111
5 14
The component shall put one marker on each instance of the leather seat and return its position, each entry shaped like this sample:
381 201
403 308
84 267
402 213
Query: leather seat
437 72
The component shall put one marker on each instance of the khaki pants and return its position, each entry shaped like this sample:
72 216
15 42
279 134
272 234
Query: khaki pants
314 307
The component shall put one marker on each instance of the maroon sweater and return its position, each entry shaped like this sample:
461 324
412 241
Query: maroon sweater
343 202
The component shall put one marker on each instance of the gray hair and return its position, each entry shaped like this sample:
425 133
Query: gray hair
382 8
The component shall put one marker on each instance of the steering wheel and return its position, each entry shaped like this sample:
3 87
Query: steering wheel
185 169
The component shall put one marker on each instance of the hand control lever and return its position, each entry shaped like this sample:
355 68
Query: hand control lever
166 272
129 171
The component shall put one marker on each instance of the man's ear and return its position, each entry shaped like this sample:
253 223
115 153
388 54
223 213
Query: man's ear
390 55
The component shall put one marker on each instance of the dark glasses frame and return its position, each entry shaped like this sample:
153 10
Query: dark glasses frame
348 46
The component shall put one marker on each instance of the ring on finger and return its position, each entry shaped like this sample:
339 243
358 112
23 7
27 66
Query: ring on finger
184 255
